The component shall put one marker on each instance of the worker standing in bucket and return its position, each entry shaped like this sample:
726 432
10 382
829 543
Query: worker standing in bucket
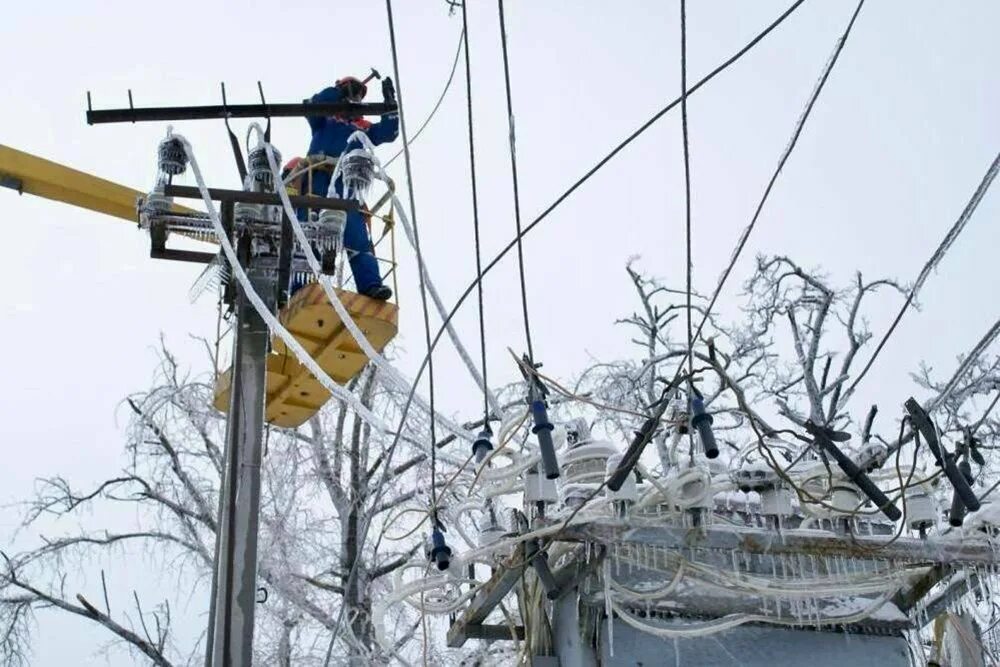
329 137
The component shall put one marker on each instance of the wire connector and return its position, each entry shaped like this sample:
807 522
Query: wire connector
702 422
439 552
483 444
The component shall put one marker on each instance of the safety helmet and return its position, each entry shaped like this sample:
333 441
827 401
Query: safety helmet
343 80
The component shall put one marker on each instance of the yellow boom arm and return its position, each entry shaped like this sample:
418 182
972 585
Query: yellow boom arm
43 178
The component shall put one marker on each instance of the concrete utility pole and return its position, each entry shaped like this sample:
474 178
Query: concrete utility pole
234 588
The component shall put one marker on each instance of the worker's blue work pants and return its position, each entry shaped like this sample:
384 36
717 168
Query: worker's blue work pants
364 266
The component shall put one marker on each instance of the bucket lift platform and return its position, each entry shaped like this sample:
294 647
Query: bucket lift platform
293 394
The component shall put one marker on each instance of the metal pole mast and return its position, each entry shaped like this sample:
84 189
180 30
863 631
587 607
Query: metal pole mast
234 584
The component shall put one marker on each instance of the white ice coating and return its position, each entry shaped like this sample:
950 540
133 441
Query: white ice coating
387 369
258 304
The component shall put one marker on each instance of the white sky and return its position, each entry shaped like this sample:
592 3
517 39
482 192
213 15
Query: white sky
904 131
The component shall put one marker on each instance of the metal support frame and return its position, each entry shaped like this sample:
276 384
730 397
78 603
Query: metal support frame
470 624
790 542
272 199
143 114
234 582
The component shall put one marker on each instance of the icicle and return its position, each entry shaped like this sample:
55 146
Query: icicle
607 608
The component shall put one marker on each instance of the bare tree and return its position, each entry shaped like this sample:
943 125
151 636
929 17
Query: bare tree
319 488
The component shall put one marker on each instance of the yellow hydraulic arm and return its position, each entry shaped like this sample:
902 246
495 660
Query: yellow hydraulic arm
37 176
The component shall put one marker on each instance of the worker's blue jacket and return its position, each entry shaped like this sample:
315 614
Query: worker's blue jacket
329 137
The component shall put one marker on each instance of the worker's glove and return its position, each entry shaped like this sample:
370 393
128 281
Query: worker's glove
388 91
352 89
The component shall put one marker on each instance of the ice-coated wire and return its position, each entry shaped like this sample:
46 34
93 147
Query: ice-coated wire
935 259
402 383
265 313
475 215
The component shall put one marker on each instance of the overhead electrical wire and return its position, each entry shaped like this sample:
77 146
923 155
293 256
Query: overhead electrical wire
496 260
425 362
475 216
838 48
440 99
428 358
687 212
513 171
934 260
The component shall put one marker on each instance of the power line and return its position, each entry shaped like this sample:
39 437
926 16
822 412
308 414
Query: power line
746 233
799 126
425 362
935 259
687 209
513 170
428 358
437 105
475 216
503 253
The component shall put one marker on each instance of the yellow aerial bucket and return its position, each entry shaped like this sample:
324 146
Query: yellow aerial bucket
293 394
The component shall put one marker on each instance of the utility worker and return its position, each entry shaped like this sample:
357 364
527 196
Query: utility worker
329 137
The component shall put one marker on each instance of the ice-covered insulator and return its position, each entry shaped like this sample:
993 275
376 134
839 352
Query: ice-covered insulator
538 488
754 476
702 421
439 552
543 430
259 168
920 510
872 455
156 202
357 170
679 415
332 224
577 431
171 157
776 501
845 498
584 466
628 492
482 445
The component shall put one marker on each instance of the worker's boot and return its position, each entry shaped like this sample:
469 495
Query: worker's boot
380 292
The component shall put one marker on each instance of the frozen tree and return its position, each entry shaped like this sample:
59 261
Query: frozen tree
321 485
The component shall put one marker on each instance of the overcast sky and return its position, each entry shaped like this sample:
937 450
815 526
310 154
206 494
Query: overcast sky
899 140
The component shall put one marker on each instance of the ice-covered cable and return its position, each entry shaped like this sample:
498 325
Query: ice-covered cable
258 304
439 304
380 362
733 620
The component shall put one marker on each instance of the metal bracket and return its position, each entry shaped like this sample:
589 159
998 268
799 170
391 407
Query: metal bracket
507 574
146 114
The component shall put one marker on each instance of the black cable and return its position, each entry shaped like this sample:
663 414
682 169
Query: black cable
746 233
687 210
475 218
428 358
513 170
437 105
496 260
420 257
781 163
425 362
949 238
